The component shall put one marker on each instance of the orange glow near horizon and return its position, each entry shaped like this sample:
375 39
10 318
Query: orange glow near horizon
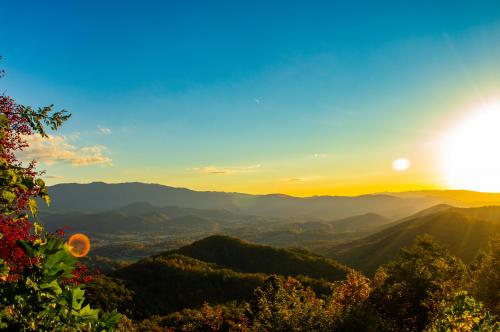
79 245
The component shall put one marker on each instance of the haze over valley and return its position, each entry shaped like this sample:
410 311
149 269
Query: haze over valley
139 220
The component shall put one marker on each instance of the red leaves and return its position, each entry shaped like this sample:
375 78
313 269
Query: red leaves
19 185
13 128
13 231
81 275
12 139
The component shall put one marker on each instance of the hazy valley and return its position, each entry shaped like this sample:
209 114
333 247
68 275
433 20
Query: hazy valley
363 232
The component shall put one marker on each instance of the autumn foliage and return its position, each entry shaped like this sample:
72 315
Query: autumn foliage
39 279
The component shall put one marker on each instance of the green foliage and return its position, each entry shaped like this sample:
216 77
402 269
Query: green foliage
285 305
412 293
411 288
227 317
281 304
108 293
15 179
37 289
41 300
43 117
173 281
164 284
464 314
485 276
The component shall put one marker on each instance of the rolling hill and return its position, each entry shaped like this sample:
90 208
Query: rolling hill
167 283
215 270
361 223
464 231
247 257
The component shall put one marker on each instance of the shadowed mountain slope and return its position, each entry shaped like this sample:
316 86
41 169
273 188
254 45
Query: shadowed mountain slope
464 231
360 223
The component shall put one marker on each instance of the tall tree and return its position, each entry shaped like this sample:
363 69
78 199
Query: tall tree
485 276
412 287
37 272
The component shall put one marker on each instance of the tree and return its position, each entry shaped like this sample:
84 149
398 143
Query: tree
350 308
408 290
485 276
465 314
227 317
38 291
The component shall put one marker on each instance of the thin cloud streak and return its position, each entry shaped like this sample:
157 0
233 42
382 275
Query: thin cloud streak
225 170
104 130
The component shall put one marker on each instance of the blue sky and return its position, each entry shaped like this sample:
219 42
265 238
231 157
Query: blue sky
301 97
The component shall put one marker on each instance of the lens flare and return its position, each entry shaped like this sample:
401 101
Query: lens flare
79 245
401 164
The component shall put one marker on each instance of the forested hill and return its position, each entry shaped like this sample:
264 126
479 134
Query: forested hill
464 231
247 257
214 270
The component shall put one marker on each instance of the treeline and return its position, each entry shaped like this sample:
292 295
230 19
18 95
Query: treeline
424 289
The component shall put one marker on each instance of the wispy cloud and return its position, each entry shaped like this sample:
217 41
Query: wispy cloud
104 130
58 149
53 177
319 155
302 179
225 170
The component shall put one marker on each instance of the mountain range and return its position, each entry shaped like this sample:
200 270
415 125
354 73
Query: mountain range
99 197
130 221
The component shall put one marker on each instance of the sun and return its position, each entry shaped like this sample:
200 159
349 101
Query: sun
471 156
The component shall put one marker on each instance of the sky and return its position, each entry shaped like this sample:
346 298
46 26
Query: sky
296 97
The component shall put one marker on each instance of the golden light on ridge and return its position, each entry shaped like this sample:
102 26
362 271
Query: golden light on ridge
471 155
79 245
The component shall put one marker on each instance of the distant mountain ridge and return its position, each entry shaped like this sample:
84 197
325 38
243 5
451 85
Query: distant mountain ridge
459 198
99 197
